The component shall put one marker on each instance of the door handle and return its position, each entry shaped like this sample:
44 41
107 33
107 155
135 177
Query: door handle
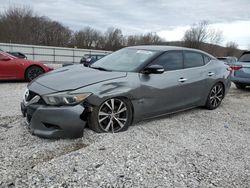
210 74
182 80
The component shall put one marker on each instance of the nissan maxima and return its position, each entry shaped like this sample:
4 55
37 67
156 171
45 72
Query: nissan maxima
129 85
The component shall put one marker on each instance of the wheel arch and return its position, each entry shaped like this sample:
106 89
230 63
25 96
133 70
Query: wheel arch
33 65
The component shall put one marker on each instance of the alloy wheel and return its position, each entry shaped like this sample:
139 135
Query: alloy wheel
34 72
113 115
216 95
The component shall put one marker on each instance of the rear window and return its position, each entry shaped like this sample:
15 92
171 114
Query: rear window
206 59
245 58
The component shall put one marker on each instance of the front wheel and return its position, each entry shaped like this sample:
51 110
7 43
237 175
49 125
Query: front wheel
215 96
113 115
33 72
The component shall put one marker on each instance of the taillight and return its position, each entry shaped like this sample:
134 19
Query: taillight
229 69
235 67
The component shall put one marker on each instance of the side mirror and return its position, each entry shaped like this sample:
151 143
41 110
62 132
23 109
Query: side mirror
5 58
153 69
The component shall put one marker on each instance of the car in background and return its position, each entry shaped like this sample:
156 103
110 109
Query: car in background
229 60
241 71
18 54
87 60
129 85
13 68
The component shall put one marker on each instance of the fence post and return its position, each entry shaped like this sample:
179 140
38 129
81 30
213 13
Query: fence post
54 55
33 52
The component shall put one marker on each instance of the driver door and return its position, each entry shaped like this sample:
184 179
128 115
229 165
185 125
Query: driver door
7 68
163 93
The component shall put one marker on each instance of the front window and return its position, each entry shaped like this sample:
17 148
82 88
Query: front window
126 60
171 60
245 58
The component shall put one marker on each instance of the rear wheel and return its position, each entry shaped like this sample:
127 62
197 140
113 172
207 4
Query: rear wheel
33 72
240 86
215 96
113 115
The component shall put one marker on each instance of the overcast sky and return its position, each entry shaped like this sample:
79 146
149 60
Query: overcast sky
168 18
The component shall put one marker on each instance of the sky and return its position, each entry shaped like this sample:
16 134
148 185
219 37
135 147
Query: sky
168 18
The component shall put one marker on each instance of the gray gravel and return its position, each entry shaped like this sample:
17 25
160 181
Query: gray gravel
196 148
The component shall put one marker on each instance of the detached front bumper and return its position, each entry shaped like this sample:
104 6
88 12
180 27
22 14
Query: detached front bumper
55 122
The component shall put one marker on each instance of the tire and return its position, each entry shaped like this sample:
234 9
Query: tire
215 96
33 72
113 115
240 86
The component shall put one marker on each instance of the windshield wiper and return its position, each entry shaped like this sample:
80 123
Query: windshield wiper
100 68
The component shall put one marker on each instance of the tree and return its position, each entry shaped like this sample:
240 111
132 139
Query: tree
113 39
22 25
149 38
201 33
87 38
231 49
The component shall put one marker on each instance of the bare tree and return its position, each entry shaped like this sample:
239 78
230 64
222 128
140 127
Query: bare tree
12 24
113 39
87 38
231 49
133 40
22 25
201 33
149 38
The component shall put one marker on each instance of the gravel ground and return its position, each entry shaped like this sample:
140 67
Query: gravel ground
195 148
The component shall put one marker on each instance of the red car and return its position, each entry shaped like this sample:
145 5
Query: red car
13 68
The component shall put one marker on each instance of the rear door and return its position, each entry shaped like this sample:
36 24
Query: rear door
195 75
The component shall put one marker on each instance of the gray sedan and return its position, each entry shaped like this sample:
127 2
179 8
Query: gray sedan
129 85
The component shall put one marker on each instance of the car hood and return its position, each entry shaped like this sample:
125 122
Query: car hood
74 77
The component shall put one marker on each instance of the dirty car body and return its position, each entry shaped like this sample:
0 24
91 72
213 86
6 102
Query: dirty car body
148 89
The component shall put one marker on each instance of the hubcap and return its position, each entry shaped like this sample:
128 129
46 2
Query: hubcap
216 95
112 115
33 73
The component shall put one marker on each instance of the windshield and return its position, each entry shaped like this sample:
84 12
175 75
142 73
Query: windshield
245 58
126 60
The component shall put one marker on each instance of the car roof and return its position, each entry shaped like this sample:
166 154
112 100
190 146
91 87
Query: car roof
228 57
246 52
167 48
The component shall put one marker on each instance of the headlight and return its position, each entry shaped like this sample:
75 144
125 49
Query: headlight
65 98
